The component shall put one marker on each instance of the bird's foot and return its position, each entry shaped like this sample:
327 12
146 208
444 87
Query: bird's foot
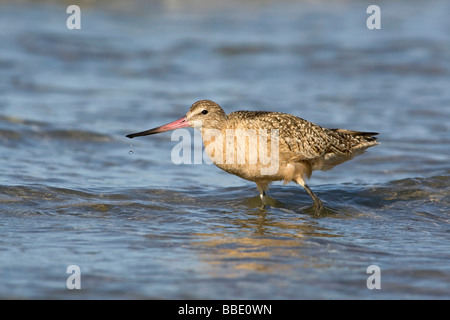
318 207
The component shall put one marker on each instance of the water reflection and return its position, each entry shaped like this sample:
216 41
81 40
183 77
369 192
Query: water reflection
267 241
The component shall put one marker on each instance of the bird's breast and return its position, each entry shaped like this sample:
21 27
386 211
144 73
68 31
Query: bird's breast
251 154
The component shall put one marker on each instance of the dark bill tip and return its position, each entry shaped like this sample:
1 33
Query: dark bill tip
180 123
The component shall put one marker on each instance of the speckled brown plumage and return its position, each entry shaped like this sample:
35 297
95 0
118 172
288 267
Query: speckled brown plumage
295 145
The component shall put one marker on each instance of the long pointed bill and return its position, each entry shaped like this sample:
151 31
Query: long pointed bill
180 123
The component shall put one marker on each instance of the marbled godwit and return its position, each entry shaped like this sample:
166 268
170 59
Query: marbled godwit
301 146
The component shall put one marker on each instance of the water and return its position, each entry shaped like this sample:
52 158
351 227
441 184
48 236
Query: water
73 191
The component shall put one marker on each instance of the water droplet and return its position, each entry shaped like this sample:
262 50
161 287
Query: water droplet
131 149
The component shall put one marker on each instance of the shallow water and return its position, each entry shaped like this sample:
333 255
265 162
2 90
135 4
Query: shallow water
138 226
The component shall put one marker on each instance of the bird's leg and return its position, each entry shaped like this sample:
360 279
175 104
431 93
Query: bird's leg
262 195
317 203
262 188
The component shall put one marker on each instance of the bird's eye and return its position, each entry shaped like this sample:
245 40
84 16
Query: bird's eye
204 111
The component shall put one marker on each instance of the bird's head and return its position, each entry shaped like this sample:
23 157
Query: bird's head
204 114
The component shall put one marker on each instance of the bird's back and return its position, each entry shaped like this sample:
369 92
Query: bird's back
301 140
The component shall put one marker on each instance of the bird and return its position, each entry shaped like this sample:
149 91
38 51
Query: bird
266 146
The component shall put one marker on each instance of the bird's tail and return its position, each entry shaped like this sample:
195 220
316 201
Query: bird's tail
368 136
